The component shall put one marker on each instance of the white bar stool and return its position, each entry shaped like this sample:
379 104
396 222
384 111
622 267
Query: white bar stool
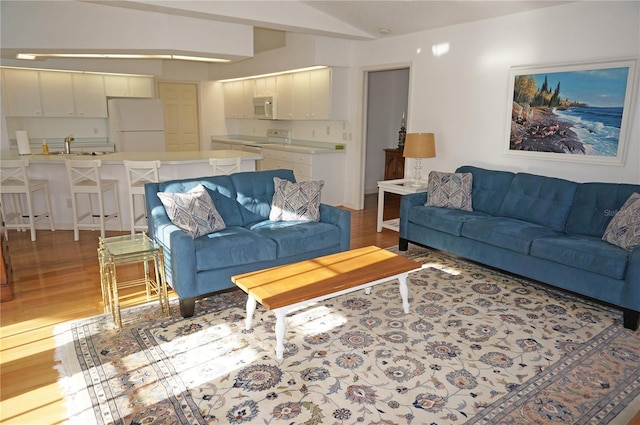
139 173
84 179
15 181
223 166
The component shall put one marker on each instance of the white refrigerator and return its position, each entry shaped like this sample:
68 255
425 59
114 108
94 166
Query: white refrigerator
136 125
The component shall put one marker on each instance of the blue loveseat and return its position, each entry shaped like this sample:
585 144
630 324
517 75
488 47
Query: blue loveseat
543 228
196 267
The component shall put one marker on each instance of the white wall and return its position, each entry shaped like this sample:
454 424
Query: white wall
462 97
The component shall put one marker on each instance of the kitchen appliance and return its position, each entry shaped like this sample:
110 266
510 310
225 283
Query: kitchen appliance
265 108
136 125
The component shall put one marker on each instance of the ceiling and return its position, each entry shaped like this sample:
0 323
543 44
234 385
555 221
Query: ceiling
360 19
345 19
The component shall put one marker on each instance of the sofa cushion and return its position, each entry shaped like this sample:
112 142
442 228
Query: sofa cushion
220 189
442 219
230 247
295 201
507 233
449 190
539 199
583 252
624 229
489 188
193 212
254 193
297 237
595 204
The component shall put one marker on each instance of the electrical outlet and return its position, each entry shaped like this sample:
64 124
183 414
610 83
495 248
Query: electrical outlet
95 130
68 203
345 136
328 131
313 133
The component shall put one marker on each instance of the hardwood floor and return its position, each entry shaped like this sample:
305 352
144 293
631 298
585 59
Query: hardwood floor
56 280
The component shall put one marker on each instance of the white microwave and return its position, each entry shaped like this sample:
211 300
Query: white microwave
265 108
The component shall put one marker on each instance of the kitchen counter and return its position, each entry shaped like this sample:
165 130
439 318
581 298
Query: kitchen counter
300 146
174 158
173 165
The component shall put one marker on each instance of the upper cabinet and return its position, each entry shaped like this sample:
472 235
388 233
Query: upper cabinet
31 93
128 86
21 93
307 95
89 96
238 99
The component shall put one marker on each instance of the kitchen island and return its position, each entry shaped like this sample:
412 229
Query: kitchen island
174 165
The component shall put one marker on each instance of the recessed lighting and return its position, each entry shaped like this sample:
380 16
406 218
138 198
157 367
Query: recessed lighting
385 31
33 56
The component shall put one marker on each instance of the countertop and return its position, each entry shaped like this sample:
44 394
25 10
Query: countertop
117 157
300 146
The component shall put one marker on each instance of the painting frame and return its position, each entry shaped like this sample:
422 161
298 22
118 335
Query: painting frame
571 128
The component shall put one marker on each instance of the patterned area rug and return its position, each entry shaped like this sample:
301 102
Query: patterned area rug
478 347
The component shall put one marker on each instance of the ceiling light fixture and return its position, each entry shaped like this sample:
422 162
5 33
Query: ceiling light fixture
32 56
385 31
290 71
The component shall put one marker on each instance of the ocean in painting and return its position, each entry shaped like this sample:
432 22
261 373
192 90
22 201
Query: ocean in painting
597 127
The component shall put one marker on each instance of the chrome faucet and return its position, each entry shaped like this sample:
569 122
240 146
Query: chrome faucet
67 144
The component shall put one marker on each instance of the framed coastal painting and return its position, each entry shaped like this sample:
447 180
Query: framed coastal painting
576 112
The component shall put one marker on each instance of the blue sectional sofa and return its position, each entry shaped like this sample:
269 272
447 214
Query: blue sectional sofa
198 266
543 228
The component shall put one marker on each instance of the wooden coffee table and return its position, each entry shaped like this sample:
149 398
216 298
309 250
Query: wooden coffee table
284 288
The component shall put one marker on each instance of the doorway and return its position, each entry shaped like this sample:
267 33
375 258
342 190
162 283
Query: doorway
387 103
181 122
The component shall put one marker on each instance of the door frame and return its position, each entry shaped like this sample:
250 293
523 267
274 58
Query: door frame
364 90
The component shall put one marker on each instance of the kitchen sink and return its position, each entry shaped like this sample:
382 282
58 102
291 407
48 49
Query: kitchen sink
81 153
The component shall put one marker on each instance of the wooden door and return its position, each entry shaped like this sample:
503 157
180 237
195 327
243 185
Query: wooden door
181 122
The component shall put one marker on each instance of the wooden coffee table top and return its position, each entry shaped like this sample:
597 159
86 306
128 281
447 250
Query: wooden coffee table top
289 284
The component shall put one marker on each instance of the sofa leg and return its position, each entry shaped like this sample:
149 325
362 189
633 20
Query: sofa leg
631 319
187 307
403 244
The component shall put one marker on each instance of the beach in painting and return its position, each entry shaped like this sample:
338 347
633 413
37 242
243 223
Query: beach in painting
575 130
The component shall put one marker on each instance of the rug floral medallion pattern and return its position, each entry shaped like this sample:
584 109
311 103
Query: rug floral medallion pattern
478 347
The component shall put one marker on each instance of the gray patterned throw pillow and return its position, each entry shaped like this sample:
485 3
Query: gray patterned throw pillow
624 228
193 211
450 190
295 201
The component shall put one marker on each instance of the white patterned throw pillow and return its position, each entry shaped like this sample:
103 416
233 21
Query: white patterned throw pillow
296 201
450 190
624 228
193 211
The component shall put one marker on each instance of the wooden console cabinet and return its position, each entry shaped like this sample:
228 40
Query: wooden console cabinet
393 164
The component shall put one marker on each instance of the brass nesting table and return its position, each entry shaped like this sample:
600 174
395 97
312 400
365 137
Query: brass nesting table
129 249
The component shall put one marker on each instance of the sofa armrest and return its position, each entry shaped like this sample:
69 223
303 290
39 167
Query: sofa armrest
342 219
178 247
406 203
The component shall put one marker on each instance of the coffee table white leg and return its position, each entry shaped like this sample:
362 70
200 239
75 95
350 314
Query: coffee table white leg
251 308
281 326
404 291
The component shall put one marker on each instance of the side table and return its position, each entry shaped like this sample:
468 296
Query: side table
401 187
129 249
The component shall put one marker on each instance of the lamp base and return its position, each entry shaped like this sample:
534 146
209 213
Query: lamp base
417 184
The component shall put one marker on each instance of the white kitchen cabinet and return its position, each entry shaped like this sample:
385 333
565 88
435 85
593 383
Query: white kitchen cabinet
89 97
238 99
56 91
265 86
128 86
220 146
284 91
21 93
328 167
319 94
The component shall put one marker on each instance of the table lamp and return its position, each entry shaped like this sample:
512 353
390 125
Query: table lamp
418 146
